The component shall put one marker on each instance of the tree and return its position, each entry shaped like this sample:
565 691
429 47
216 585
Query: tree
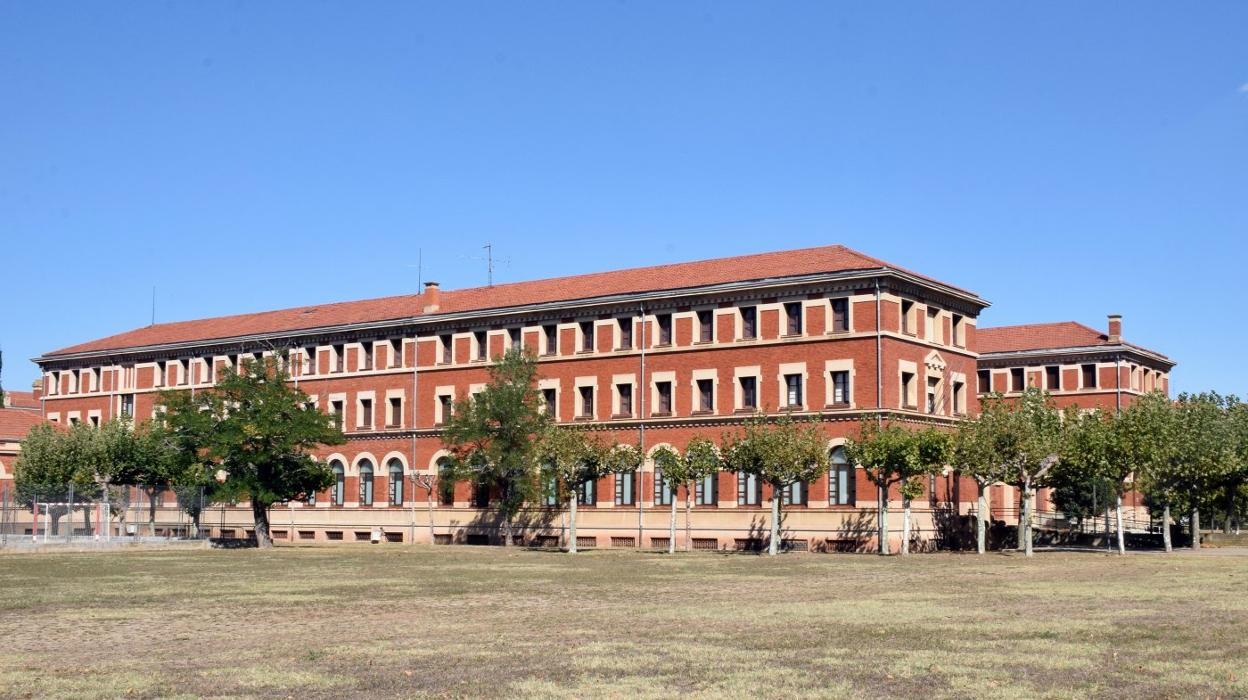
1030 447
781 453
58 466
1203 453
493 435
933 448
887 455
259 430
1237 472
701 460
976 453
570 458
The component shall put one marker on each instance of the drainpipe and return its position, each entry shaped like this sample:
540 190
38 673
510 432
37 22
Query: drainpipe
1118 384
415 369
641 435
879 360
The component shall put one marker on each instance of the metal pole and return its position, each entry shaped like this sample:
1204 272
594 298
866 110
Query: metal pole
641 439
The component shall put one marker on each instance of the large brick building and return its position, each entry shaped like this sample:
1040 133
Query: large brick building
656 355
1078 366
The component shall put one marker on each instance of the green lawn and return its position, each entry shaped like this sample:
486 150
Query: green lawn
395 621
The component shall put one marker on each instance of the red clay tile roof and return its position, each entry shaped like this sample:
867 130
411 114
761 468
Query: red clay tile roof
835 258
1038 336
21 399
15 423
1044 336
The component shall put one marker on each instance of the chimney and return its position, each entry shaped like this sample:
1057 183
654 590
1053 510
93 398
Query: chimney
430 297
1115 328
36 388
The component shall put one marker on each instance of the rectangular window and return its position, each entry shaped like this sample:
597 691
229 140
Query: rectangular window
481 343
626 333
1016 379
127 405
514 338
749 322
551 334
309 361
907 389
907 316
587 493
184 373
840 315
706 395
1089 376
665 328
793 390
985 381
396 352
959 330
933 325
446 349
625 392
480 496
793 318
340 358
335 409
794 494
662 489
366 413
749 489
840 388
445 407
664 406
959 398
548 401
587 336
933 388
623 489
550 491
749 393
707 491
396 412
587 401
840 481
1053 378
706 326
160 377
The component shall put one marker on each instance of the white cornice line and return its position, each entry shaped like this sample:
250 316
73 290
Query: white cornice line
545 307
1077 350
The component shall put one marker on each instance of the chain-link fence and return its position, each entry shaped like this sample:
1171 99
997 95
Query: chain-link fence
52 514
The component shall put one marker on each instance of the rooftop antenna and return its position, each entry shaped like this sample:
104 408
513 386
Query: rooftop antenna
420 268
489 262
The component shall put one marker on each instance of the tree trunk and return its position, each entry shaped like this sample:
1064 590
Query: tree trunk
981 520
505 510
572 523
881 516
260 513
688 524
1026 521
1022 507
773 547
1122 538
1165 528
1196 529
429 504
1230 508
905 526
507 530
671 539
151 511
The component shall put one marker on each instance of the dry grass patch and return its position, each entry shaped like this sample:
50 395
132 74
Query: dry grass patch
481 622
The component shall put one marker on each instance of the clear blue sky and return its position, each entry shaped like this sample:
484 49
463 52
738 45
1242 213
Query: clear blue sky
1063 160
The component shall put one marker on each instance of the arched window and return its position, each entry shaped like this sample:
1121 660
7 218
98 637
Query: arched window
662 488
366 482
446 485
338 490
396 482
840 479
